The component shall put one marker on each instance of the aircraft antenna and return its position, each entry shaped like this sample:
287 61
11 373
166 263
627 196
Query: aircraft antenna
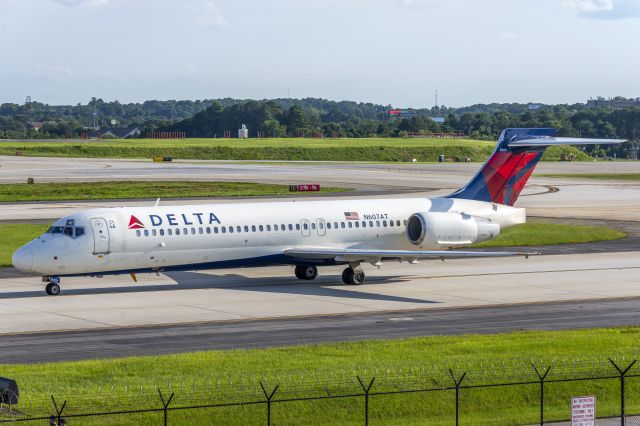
157 202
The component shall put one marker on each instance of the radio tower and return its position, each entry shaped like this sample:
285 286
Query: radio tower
27 103
436 97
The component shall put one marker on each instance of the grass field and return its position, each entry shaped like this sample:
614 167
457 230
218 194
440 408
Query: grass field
330 369
601 176
356 149
529 234
14 235
541 233
138 189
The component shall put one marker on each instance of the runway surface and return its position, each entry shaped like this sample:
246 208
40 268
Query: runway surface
156 340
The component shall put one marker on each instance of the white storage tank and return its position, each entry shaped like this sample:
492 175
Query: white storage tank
243 133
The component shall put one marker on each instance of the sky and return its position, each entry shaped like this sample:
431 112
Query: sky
393 52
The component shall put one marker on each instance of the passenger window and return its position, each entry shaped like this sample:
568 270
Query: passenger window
68 231
224 230
208 230
261 228
283 228
384 223
350 224
146 233
342 225
321 225
177 231
298 227
200 231
275 227
162 232
305 226
153 232
405 222
358 224
313 226
193 231
137 233
328 225
378 223
390 223
79 231
370 224
215 229
253 228
246 228
335 225
238 228
169 231
230 229
185 231
268 227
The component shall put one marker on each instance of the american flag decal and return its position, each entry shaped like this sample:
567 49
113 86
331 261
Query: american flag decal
351 215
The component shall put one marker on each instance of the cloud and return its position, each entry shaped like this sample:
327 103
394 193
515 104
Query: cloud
415 4
83 2
605 9
210 15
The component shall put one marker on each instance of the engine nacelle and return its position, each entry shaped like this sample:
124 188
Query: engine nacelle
449 229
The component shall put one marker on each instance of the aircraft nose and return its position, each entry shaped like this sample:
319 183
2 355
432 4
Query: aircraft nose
23 259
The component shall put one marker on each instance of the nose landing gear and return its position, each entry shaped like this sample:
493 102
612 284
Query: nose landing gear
53 286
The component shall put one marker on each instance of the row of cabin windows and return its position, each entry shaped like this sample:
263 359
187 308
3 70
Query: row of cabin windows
262 228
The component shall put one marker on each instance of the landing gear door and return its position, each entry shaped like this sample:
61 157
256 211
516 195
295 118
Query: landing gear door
100 235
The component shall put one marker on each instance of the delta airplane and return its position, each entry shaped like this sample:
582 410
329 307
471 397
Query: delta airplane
304 234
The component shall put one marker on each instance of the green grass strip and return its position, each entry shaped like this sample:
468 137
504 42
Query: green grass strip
541 233
136 190
290 149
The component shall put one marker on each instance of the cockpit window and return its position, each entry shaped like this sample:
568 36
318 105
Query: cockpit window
70 231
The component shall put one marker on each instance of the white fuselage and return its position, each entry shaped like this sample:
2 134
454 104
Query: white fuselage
130 239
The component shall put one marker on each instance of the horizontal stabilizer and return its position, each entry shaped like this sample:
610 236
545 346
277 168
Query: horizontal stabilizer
551 141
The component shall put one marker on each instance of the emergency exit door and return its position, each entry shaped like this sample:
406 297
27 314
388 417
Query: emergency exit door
100 235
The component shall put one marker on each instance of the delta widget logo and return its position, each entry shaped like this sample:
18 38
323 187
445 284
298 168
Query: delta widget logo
135 223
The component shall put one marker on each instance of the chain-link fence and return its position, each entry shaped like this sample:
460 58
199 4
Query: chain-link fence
487 396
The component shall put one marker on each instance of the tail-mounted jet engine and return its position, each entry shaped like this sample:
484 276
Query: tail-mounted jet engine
449 229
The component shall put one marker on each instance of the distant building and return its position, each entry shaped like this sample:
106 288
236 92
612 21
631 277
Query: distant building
37 125
534 107
243 133
439 120
115 133
613 103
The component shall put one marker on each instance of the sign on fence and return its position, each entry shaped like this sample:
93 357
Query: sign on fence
583 411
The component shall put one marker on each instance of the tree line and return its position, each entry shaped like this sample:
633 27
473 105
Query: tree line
314 117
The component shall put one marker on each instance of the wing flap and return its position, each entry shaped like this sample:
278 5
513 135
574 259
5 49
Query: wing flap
367 255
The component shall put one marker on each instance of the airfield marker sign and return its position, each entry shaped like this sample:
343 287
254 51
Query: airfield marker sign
583 411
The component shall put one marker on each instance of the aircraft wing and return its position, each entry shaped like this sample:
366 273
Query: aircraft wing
374 256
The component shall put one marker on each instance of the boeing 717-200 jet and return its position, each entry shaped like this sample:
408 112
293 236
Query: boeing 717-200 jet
304 234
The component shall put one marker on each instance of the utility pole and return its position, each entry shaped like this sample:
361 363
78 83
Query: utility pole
436 97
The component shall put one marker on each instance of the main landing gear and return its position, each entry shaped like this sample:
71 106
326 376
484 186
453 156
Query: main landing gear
306 272
353 276
53 286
